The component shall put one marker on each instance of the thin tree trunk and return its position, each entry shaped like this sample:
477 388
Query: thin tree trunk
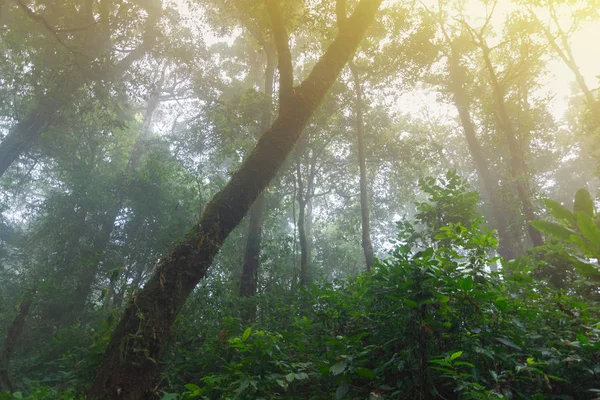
518 166
131 358
507 247
253 245
257 212
364 192
14 332
303 276
308 214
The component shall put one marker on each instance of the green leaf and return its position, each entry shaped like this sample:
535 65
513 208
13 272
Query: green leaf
290 377
301 375
466 284
342 390
246 334
281 383
588 228
455 355
508 343
338 368
442 298
441 362
410 303
587 269
191 387
243 386
583 203
501 303
582 338
560 212
170 396
365 373
554 229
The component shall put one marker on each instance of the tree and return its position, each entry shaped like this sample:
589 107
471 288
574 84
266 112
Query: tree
456 84
90 42
517 161
559 38
364 192
131 357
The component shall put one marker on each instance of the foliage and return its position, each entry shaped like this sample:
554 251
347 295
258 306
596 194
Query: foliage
426 323
122 119
578 233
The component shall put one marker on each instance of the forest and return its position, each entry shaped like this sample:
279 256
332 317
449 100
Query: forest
299 199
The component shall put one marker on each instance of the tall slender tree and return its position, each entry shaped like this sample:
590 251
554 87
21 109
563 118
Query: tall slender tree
367 245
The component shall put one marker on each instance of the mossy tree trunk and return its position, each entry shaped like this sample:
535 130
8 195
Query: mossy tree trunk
131 359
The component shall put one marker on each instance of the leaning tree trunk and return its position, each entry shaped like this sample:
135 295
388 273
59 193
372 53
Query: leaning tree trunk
14 332
257 211
518 166
508 249
367 245
133 352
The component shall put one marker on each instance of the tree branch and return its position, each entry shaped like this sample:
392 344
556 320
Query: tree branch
286 70
53 31
340 12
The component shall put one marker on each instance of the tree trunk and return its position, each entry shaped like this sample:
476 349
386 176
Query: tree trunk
303 276
253 244
257 212
131 358
507 249
364 193
12 336
518 166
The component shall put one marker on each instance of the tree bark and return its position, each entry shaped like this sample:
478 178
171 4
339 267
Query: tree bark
507 247
364 192
305 205
257 212
303 275
131 358
14 332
